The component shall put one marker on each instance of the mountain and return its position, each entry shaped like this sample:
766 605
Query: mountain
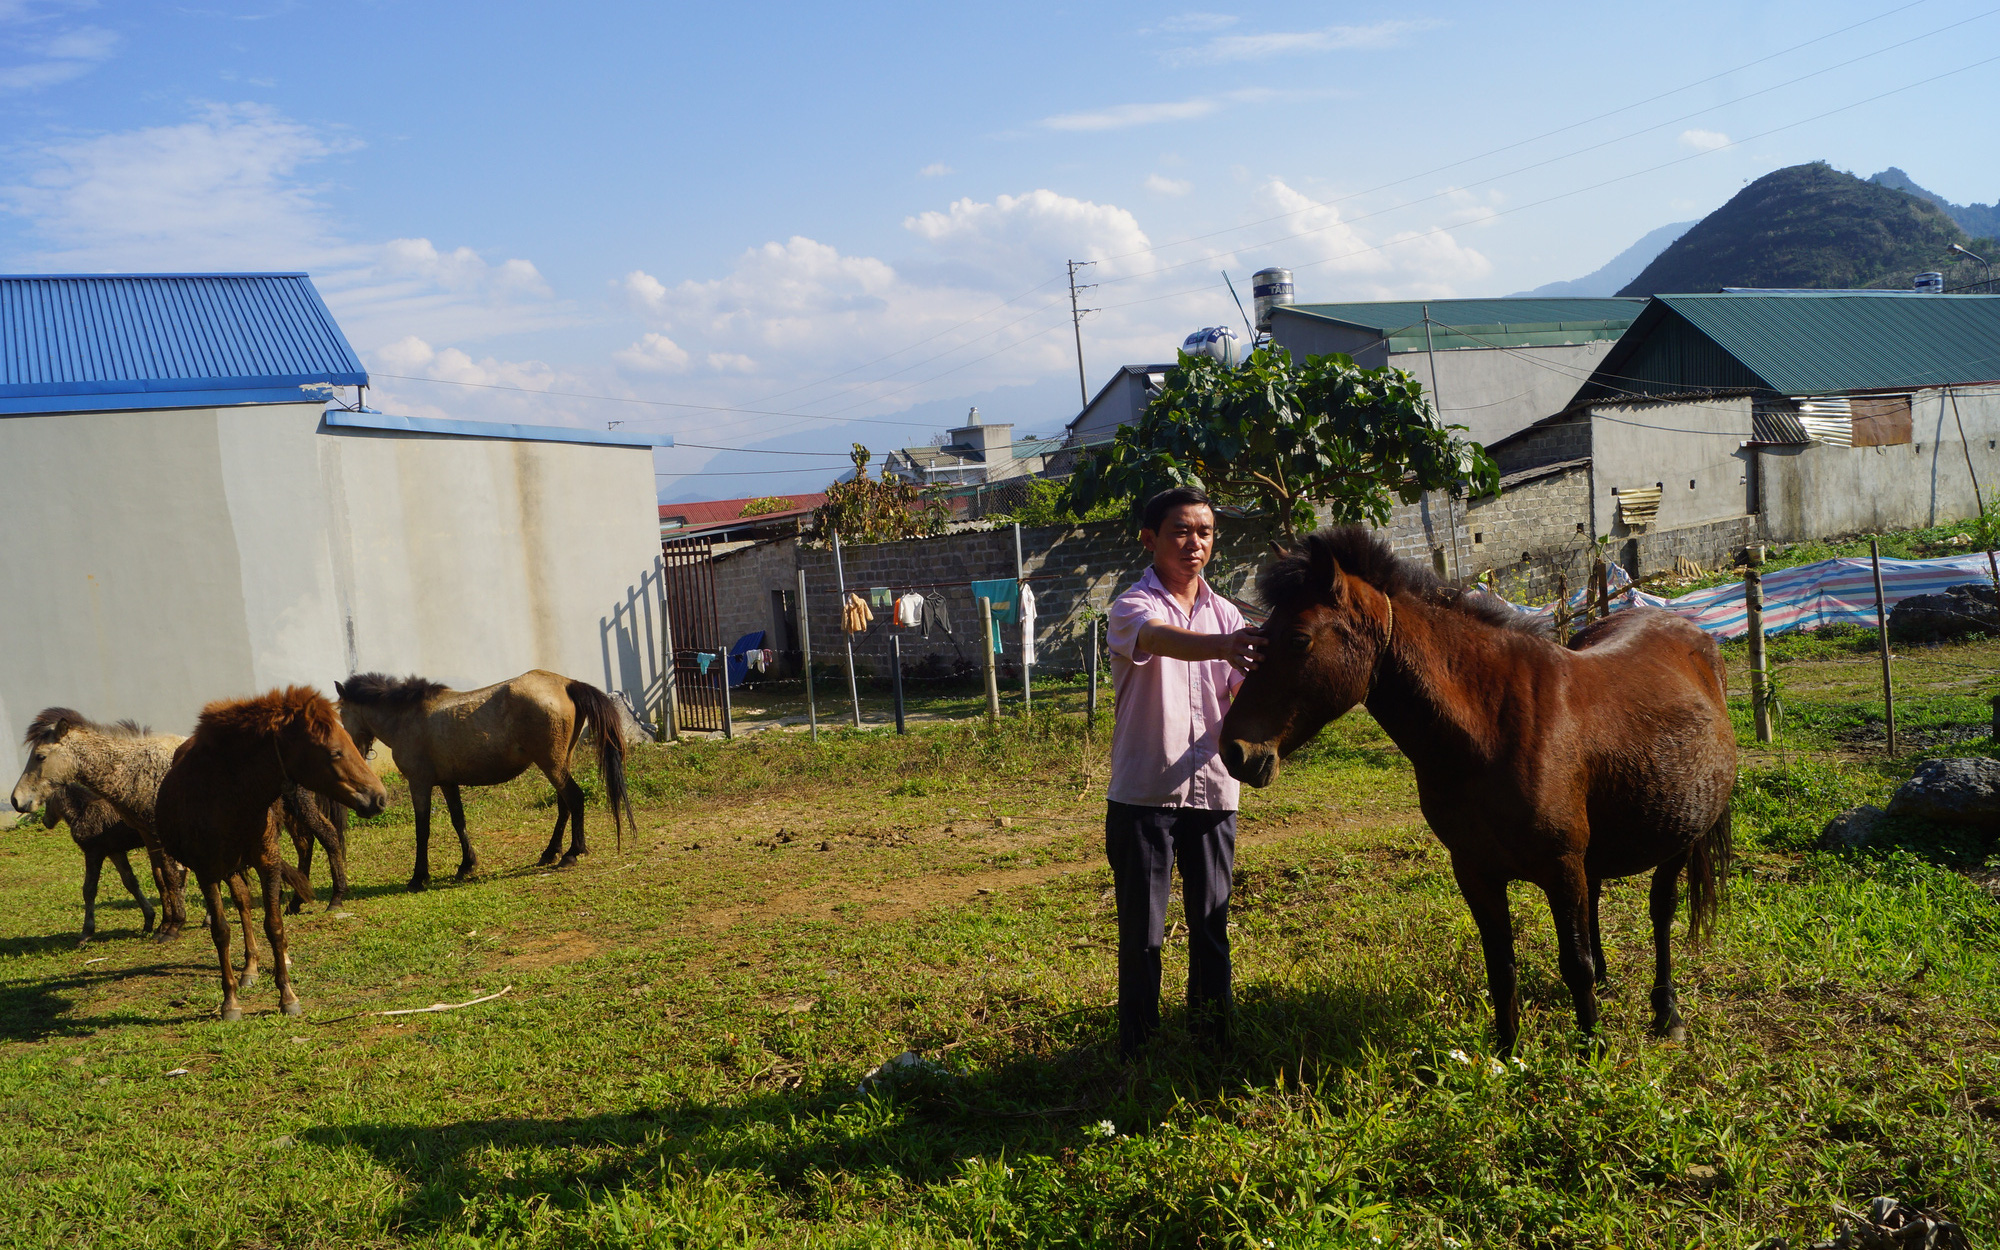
1614 273
1977 220
1806 226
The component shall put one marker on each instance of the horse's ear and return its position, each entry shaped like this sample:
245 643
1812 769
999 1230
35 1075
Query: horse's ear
1336 583
339 691
1326 573
1278 549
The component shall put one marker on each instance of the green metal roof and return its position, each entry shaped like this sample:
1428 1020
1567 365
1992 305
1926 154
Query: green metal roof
1481 322
1804 343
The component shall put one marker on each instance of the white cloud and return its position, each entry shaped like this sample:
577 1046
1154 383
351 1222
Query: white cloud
232 188
1704 140
1159 185
654 353
936 169
50 59
1224 48
1337 257
1123 116
1016 235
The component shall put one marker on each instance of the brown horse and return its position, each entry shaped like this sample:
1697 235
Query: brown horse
100 834
1561 767
447 738
218 806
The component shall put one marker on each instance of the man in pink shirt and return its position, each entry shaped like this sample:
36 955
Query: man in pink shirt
1178 653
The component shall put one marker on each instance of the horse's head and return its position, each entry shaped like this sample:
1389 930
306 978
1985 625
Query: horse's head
64 803
1328 627
319 754
51 764
354 719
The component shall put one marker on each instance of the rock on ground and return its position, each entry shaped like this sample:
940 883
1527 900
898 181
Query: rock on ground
1851 830
1960 791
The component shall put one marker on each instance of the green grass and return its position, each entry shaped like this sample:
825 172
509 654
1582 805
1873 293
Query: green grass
676 1063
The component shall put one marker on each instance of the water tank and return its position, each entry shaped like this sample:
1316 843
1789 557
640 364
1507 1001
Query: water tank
1217 341
1931 283
1270 288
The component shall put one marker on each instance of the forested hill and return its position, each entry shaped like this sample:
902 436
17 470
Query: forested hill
1806 226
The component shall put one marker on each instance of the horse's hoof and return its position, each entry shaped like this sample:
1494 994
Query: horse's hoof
465 871
1675 1032
568 861
419 884
166 934
546 860
247 979
294 1008
333 904
231 1015
83 941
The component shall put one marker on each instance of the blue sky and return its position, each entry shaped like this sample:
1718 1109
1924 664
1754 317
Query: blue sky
812 225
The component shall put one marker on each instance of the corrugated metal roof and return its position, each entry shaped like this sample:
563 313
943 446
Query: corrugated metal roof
1481 322
1807 342
153 339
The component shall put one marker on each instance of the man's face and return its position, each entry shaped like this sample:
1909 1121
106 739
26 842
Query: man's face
1184 541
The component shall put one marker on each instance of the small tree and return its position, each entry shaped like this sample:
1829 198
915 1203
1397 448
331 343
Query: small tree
1277 438
765 505
867 510
1046 502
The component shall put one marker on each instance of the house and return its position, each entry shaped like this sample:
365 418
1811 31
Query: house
735 520
1119 401
1501 364
973 454
1741 416
189 518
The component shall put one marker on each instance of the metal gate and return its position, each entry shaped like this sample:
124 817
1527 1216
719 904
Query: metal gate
690 590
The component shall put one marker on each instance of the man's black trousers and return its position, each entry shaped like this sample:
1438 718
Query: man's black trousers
1142 844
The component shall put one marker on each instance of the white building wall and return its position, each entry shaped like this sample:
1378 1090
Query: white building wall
1672 445
158 560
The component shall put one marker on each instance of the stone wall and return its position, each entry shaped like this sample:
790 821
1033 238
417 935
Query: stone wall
1537 446
745 581
1533 538
1709 544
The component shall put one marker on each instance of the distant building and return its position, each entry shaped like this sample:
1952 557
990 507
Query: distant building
723 520
1118 402
973 454
1502 364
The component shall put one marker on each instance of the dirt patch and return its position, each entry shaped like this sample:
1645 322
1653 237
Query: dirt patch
566 947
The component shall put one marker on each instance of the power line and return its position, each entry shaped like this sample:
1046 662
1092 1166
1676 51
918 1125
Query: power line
627 399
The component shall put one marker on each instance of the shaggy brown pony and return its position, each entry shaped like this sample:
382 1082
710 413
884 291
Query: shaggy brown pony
217 806
448 738
1562 767
100 834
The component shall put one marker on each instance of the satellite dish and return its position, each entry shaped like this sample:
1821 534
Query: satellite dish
1219 342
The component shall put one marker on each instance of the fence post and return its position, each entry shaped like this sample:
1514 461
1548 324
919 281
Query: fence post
986 652
728 726
1020 580
1882 625
840 579
1600 585
806 647
1090 699
671 683
1753 612
896 677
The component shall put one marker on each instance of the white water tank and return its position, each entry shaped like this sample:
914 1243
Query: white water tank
1931 283
1269 289
1217 341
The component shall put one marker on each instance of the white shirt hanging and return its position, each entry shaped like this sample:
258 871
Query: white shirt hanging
1027 624
910 610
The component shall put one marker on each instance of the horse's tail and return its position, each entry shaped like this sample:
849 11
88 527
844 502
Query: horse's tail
1710 861
595 708
301 884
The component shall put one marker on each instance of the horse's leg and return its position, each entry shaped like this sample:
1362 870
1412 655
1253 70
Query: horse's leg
574 794
302 842
240 891
93 864
554 848
1596 935
420 804
274 930
1487 897
468 863
333 835
171 877
1568 892
131 883
1665 901
218 929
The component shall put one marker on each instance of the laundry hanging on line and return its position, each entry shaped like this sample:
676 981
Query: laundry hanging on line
703 659
855 614
937 614
910 611
1027 624
879 597
1003 593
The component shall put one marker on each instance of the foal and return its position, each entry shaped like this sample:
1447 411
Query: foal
100 834
216 811
1557 766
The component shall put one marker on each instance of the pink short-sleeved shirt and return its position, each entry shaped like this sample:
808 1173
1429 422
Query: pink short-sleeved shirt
1168 731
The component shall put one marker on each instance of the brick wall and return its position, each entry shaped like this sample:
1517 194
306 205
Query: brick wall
1568 439
1709 544
1534 536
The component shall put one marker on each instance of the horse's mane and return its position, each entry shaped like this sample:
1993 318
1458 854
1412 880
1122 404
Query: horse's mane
269 714
1300 576
382 690
51 723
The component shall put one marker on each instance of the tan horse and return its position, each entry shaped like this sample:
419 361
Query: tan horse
218 809
95 827
446 738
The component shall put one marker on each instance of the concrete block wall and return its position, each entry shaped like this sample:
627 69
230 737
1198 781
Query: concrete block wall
744 580
1534 536
1709 544
1568 439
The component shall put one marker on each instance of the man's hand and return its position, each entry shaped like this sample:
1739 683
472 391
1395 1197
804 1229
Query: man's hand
1243 648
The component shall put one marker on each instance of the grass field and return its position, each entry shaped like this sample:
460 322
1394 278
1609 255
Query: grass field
677 1059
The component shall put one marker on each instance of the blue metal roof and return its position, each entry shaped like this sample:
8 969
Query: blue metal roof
73 342
367 419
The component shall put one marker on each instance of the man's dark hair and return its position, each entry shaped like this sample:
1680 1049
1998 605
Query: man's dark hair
1154 514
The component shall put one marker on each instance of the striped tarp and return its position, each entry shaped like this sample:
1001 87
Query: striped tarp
1830 592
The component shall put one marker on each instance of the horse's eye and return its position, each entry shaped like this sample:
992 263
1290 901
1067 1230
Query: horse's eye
1300 642
336 753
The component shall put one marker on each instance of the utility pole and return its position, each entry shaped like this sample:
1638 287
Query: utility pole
1450 512
1076 322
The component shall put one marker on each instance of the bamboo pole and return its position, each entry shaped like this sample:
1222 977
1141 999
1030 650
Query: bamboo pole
1027 684
840 579
986 652
728 725
1753 611
896 677
806 646
1882 625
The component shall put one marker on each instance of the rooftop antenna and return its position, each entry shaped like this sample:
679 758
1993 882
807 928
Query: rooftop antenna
1239 307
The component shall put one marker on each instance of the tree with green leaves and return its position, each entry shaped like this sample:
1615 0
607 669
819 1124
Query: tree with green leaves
765 505
879 510
1280 439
